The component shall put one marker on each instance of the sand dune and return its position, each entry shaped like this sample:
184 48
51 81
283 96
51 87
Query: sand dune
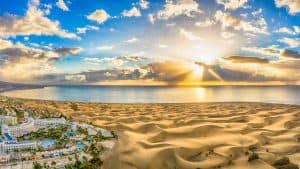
191 136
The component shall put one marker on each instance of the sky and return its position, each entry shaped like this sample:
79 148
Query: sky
143 42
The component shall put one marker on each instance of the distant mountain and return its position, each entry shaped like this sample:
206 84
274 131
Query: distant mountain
5 86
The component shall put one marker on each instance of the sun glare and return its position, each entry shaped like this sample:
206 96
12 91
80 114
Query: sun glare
197 72
208 54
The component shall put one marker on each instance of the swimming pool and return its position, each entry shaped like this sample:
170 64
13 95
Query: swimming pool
47 144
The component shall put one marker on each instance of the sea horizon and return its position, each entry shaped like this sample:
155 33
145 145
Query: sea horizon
288 94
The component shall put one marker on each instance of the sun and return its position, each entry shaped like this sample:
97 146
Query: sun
207 54
197 73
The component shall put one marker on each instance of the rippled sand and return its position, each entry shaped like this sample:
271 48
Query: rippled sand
190 136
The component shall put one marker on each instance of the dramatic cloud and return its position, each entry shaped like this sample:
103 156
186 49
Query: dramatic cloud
133 12
174 8
266 51
61 4
179 72
229 21
115 61
292 5
99 16
293 43
273 51
22 63
232 4
83 30
33 23
290 54
68 51
75 78
244 59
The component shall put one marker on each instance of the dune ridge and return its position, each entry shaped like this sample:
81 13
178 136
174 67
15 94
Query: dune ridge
191 136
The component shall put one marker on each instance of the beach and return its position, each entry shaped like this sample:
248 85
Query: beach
190 136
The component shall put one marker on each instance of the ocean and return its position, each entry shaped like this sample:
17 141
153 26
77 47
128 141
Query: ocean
166 94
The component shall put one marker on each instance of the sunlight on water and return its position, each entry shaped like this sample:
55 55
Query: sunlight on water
278 94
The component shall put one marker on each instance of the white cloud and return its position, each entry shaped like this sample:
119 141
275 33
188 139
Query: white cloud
112 29
116 61
5 44
206 23
144 4
162 46
285 30
174 8
227 35
171 24
33 23
106 47
83 30
132 12
190 35
228 20
99 15
294 31
132 40
47 9
232 4
293 43
61 4
257 12
266 51
68 51
292 5
75 78
151 18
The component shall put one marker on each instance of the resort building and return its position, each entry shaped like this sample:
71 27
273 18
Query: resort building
50 122
20 130
8 120
11 144
17 146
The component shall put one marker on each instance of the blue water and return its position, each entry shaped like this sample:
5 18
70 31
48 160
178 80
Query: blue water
109 94
80 146
47 143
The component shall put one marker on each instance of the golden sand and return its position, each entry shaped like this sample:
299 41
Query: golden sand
190 136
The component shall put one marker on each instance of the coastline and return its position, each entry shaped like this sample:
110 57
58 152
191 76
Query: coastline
190 135
5 87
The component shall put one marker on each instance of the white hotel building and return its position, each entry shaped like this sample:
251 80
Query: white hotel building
4 146
50 122
9 120
20 130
